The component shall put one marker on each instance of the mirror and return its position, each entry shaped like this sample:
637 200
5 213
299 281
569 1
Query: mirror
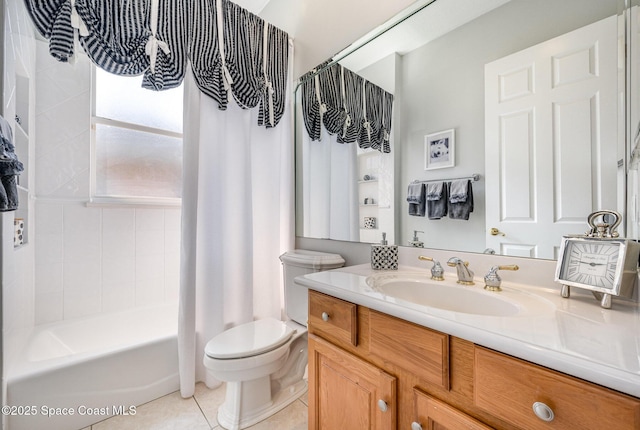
457 62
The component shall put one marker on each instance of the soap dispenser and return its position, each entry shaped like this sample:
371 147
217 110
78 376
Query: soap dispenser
384 256
416 242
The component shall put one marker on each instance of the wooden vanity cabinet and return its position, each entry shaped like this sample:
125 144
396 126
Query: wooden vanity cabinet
509 388
348 393
433 414
431 380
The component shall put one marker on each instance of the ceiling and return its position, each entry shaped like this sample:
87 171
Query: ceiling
253 6
420 29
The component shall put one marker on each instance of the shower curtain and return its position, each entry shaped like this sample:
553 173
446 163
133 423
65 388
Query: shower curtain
330 194
237 219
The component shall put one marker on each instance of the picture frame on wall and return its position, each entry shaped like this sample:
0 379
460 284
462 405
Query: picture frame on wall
439 150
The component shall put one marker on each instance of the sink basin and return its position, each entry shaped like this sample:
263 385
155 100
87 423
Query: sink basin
447 295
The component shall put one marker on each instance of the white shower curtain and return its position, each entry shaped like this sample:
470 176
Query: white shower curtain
237 219
330 194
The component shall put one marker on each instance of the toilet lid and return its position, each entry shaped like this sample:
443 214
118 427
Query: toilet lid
249 339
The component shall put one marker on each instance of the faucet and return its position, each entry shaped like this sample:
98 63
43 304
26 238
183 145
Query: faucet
437 272
492 280
465 275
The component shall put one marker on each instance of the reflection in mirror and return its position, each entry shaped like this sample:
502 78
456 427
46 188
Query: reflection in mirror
530 89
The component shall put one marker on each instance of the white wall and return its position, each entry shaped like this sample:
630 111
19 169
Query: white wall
89 260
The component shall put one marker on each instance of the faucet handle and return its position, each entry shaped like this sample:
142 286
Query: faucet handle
492 280
437 272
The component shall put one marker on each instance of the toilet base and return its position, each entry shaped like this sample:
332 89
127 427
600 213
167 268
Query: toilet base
249 402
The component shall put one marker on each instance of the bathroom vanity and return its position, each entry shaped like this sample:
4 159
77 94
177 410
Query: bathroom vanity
379 361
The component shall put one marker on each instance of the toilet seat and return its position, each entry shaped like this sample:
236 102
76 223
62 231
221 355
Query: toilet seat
250 339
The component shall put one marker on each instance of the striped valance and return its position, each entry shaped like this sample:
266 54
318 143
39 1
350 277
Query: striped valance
348 106
231 50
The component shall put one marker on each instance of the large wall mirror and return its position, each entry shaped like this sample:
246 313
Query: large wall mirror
534 97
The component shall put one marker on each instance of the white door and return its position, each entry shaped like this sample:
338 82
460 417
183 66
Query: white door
554 101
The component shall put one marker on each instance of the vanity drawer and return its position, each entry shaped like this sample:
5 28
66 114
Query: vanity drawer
508 387
334 318
422 351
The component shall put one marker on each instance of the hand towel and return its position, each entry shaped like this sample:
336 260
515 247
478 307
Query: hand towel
436 200
460 199
459 190
10 167
416 199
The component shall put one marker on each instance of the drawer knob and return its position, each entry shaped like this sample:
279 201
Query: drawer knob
542 411
416 426
382 405
325 316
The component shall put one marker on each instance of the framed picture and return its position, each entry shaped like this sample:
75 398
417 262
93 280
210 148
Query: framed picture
439 150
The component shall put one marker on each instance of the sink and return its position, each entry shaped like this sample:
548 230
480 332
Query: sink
447 295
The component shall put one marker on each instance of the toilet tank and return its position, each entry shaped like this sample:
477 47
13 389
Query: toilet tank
297 263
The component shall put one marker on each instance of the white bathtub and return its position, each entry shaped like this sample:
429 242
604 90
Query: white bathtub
72 374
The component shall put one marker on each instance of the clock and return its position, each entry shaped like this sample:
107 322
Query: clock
599 261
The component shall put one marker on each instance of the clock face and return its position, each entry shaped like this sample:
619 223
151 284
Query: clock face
591 263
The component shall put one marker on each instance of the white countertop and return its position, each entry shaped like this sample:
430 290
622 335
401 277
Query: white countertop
574 336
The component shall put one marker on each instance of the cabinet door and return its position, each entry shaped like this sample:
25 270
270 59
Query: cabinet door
346 392
432 414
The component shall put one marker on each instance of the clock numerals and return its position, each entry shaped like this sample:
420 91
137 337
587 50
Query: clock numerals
591 264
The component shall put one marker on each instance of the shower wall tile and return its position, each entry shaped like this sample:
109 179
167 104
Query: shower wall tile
118 296
49 248
89 260
119 234
93 260
48 308
149 292
16 265
48 278
50 219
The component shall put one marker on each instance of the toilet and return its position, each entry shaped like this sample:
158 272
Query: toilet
264 362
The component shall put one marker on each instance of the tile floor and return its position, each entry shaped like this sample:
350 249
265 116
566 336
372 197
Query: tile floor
172 412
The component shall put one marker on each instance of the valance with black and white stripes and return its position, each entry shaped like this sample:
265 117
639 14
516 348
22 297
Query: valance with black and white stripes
348 106
231 50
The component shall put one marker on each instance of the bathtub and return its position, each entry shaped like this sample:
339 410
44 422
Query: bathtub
72 374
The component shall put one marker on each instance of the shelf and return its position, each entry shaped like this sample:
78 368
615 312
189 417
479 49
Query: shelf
366 182
370 204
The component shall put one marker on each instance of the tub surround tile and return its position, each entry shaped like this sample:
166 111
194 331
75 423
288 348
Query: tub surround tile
49 219
172 219
48 278
49 248
149 242
48 308
118 233
149 220
118 297
149 292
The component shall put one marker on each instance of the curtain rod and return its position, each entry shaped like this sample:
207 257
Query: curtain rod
473 178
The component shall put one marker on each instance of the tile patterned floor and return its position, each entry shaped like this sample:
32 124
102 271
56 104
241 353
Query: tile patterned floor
172 412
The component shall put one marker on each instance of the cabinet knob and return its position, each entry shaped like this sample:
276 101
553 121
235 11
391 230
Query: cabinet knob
325 316
542 411
382 405
416 426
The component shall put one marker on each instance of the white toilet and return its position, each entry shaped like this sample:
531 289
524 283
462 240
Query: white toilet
263 362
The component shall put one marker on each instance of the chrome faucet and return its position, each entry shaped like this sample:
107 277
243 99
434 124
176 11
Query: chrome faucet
465 275
492 280
437 272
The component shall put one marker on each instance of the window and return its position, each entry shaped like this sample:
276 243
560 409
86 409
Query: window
136 142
